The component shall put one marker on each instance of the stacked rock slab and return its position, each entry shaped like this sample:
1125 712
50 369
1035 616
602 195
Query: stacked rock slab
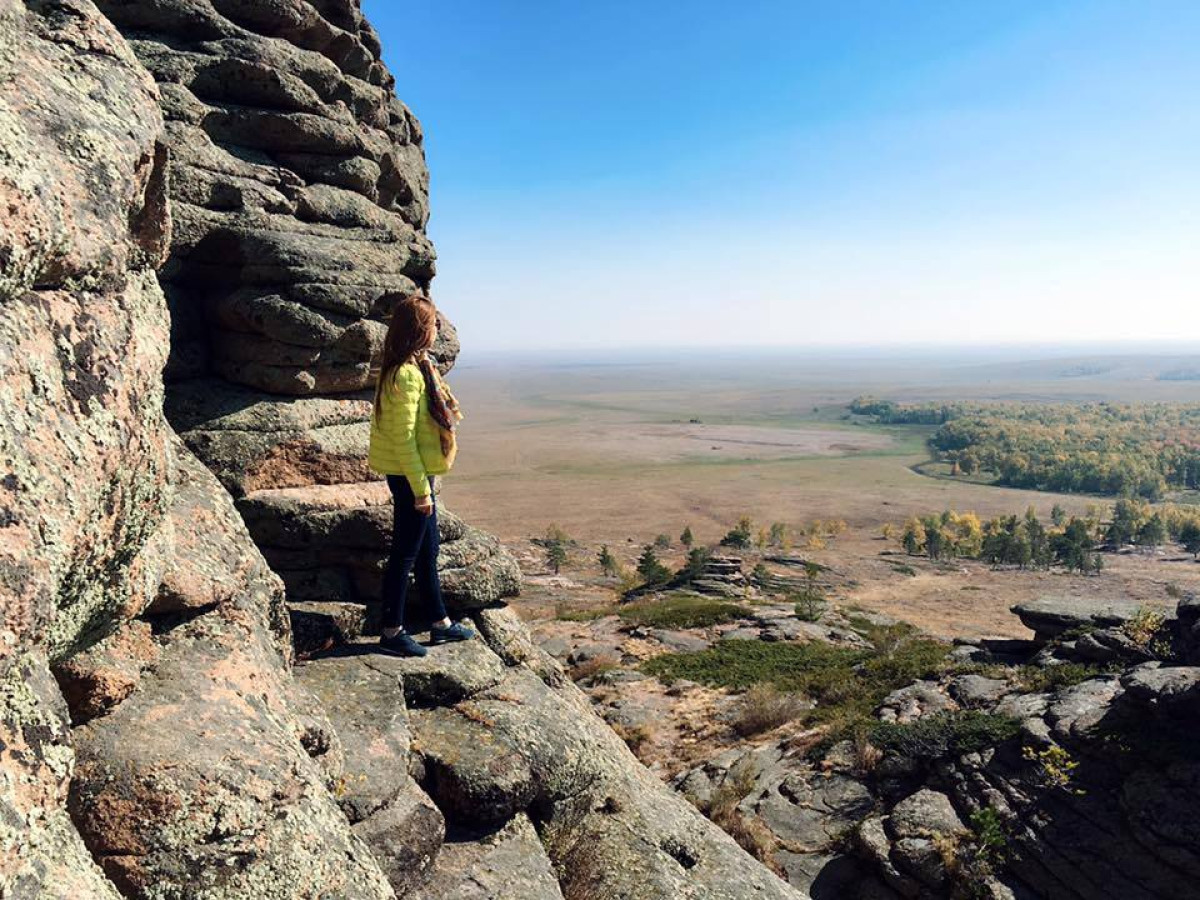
722 575
300 196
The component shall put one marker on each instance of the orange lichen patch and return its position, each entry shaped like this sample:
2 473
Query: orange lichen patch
304 462
96 680
121 816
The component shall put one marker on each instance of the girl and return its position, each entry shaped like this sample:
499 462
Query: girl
412 439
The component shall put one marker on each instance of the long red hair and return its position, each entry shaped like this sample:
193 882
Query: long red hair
412 331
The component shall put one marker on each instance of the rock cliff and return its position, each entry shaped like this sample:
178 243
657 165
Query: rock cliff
300 196
158 738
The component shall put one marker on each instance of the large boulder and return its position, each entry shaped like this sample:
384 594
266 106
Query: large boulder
1050 617
83 326
83 335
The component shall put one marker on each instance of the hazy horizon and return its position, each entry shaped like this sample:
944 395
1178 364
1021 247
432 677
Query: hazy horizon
583 354
807 173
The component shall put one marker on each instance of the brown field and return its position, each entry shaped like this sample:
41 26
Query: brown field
610 454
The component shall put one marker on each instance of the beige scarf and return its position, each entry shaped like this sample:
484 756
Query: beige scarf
442 406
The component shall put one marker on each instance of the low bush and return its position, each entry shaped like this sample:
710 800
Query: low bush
564 613
743 664
597 665
845 684
944 734
750 833
681 611
763 708
1146 630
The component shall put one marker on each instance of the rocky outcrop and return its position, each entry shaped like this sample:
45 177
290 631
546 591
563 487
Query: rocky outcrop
84 443
1048 778
722 575
300 196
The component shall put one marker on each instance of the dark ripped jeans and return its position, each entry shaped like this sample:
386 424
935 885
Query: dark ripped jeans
414 551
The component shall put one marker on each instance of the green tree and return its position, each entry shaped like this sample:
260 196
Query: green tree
608 562
686 538
1039 540
914 537
650 568
662 542
1189 536
1153 532
697 558
1058 515
1127 520
556 555
741 535
1073 547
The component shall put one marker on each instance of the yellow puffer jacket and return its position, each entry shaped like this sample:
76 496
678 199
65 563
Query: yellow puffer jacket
405 439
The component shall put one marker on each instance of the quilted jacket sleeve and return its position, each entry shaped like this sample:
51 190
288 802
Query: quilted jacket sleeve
395 433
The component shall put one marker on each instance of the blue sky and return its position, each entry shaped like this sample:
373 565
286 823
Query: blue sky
792 173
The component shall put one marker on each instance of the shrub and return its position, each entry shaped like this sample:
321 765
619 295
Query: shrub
742 664
597 665
1144 627
741 535
944 734
565 613
681 611
990 835
763 708
1055 766
751 834
635 737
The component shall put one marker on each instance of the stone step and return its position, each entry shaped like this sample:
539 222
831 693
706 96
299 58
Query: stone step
319 625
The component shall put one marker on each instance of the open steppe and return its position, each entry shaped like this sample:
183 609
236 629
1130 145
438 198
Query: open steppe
617 451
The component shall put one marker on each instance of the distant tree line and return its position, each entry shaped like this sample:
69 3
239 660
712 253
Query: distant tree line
1118 450
1028 543
889 413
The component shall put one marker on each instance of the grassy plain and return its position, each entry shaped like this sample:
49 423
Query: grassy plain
618 450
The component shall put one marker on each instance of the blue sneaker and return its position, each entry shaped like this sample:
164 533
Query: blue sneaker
455 632
402 644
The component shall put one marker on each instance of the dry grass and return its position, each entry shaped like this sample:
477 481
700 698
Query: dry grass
597 665
764 708
750 833
636 738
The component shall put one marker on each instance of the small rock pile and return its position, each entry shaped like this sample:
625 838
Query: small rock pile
722 576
